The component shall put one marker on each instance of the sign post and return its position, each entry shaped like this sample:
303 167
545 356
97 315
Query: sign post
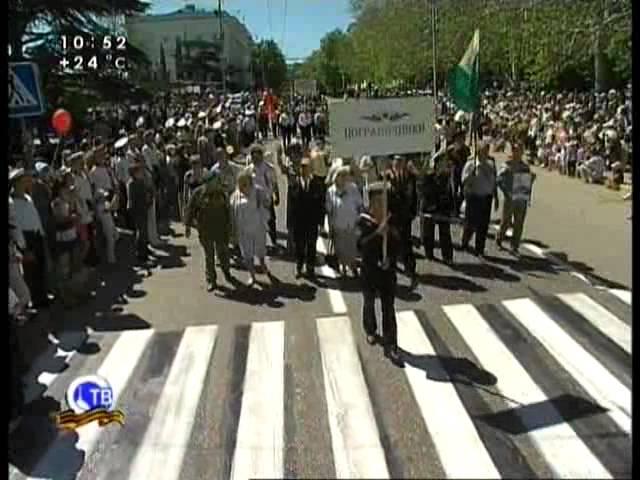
25 100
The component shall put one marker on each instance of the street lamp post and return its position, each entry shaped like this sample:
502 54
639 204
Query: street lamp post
223 56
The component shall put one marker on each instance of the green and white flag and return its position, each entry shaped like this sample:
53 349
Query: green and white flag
464 78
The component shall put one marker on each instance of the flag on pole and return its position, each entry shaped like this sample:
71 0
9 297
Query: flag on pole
464 78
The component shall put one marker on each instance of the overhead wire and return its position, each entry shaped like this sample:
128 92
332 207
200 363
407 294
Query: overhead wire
284 27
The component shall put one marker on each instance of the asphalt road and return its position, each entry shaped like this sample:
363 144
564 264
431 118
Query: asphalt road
584 226
516 369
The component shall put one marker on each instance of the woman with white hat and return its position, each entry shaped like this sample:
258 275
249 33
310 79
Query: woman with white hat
250 211
343 205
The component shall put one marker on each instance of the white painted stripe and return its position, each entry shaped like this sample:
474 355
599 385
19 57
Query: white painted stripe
624 295
117 369
259 449
600 317
444 414
357 451
560 446
166 440
336 299
605 389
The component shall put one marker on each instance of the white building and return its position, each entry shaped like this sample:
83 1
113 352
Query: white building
169 33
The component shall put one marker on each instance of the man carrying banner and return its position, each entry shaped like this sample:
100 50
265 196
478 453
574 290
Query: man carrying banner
378 243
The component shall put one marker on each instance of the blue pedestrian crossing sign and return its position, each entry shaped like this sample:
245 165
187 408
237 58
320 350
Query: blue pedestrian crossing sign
25 96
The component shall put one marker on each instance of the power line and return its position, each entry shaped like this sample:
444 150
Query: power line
284 26
269 18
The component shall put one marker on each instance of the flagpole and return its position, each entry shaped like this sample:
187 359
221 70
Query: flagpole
433 47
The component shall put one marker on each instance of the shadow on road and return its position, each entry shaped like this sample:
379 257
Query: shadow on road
579 267
450 369
450 282
35 434
562 409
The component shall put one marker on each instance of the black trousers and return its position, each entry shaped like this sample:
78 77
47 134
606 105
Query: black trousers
322 193
457 190
444 238
305 132
406 246
478 217
35 272
142 236
286 136
273 234
305 238
380 283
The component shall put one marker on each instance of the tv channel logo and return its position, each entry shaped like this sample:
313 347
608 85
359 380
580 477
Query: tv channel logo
90 398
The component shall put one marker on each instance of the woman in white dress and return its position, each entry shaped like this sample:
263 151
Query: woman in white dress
250 209
344 205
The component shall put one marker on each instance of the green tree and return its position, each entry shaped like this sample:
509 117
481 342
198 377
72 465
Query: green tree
269 66
163 64
556 44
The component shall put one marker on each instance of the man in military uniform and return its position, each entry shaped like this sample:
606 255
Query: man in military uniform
208 210
378 273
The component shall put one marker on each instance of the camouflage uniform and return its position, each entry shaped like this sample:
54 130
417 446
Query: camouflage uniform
208 211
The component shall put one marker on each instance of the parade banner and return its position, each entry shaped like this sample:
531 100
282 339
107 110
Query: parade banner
382 126
307 88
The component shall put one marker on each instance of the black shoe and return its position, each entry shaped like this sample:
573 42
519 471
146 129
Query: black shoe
311 272
393 354
299 272
448 261
414 282
499 244
211 286
429 256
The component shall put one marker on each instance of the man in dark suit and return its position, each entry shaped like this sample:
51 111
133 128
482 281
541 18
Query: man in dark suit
139 199
438 205
306 204
403 205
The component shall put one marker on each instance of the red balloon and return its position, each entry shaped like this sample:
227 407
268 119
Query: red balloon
62 122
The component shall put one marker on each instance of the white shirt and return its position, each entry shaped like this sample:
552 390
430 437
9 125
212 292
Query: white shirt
101 179
122 169
26 216
305 119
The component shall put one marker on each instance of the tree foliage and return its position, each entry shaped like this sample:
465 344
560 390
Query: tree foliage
35 32
547 43
269 65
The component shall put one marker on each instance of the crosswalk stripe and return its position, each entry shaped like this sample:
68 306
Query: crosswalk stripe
117 368
624 295
355 439
558 443
165 442
336 299
600 317
585 369
259 450
444 414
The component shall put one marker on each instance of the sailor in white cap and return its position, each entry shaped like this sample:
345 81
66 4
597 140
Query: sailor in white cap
30 235
120 165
